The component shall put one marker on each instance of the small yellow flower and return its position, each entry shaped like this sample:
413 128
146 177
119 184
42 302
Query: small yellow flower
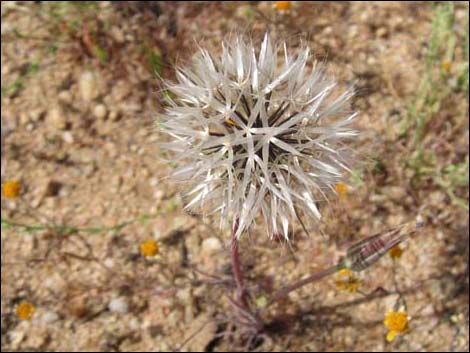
25 310
283 5
397 322
11 189
396 252
446 66
342 190
347 282
345 272
149 248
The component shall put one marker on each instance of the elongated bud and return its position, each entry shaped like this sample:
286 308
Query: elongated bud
368 251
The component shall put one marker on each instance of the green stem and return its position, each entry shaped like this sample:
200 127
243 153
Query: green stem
64 229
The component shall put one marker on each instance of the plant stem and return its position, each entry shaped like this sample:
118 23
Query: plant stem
281 294
241 299
237 270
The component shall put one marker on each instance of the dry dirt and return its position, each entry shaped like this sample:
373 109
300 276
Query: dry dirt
78 132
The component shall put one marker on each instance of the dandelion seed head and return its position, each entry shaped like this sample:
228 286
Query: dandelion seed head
258 131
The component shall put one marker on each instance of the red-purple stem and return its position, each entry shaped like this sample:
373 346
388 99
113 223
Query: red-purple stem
281 294
237 269
242 298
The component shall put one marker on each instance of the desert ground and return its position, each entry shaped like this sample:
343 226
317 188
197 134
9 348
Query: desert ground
81 89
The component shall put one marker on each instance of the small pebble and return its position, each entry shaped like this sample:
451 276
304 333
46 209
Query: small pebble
100 111
68 137
88 86
49 317
109 263
211 246
65 97
119 306
114 115
56 118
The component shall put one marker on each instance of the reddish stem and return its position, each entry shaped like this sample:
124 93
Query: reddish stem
237 269
242 297
312 278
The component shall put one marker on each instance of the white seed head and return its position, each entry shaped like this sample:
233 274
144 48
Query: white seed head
258 135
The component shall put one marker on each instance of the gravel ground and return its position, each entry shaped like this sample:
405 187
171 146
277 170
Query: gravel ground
79 97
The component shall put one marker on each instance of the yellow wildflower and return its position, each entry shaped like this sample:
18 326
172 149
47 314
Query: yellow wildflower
25 310
446 66
342 190
397 324
283 5
149 248
396 252
11 189
347 282
345 272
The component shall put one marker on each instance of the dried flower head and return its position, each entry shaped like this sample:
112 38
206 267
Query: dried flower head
11 189
25 310
397 322
257 133
368 251
149 248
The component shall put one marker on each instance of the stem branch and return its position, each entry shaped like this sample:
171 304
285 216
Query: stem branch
281 294
237 270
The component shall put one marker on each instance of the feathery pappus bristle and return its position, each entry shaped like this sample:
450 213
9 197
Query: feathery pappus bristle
258 131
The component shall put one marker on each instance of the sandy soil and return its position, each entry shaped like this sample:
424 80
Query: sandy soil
78 102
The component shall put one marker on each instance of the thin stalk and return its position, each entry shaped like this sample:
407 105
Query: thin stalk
237 270
281 294
242 296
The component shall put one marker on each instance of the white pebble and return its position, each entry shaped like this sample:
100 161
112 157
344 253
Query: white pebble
68 137
56 118
109 263
65 97
100 111
49 317
211 246
88 86
119 306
